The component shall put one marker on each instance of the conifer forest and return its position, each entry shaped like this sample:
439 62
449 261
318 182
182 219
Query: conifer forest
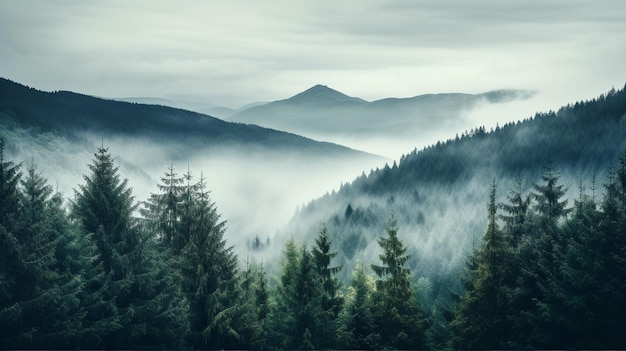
100 269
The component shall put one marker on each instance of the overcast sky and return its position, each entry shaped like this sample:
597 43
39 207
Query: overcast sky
235 52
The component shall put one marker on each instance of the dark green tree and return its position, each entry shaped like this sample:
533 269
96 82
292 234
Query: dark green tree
252 308
482 316
398 318
358 320
10 249
163 210
104 207
515 215
332 302
296 313
282 316
209 275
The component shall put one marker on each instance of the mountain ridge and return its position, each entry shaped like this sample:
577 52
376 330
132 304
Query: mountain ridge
321 112
68 112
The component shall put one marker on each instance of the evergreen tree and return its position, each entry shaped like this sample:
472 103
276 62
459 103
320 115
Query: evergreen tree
398 317
209 276
104 206
516 214
296 313
309 313
49 296
163 210
10 249
252 308
282 316
358 320
331 300
482 316
548 201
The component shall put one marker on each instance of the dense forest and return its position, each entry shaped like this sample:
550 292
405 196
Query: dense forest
100 269
105 271
435 193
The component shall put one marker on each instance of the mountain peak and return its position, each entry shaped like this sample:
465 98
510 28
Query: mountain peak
322 94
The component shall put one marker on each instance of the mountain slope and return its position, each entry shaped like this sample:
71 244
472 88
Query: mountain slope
439 194
68 114
257 176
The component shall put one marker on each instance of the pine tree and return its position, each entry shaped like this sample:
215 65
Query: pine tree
252 308
358 319
282 316
163 210
308 296
49 296
548 200
209 276
398 317
516 216
132 282
331 300
482 316
10 249
582 281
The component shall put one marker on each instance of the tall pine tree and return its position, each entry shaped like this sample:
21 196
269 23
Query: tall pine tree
331 300
482 317
399 319
104 206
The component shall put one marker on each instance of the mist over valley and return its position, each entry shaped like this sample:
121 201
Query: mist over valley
279 191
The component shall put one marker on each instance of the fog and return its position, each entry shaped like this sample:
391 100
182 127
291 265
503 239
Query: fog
438 123
256 191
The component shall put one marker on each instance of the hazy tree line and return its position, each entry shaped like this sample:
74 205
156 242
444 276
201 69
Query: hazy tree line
548 275
93 274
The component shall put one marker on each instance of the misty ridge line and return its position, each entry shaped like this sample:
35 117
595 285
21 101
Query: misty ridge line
438 192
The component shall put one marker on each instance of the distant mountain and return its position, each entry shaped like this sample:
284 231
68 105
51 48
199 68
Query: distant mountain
194 104
320 96
68 114
322 112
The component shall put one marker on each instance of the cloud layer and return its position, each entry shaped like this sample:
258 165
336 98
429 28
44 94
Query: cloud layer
235 52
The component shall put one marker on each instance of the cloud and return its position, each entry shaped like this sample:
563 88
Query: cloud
241 51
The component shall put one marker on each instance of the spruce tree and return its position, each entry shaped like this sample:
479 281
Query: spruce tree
331 300
10 249
482 317
209 276
49 296
360 330
516 214
282 316
104 206
252 308
163 211
398 317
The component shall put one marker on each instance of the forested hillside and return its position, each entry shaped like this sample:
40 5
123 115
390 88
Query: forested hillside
465 244
70 114
437 194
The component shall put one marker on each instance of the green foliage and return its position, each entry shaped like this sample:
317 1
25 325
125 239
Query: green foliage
561 287
358 330
332 302
131 304
481 320
209 274
398 318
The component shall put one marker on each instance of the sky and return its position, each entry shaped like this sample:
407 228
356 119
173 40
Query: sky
235 52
